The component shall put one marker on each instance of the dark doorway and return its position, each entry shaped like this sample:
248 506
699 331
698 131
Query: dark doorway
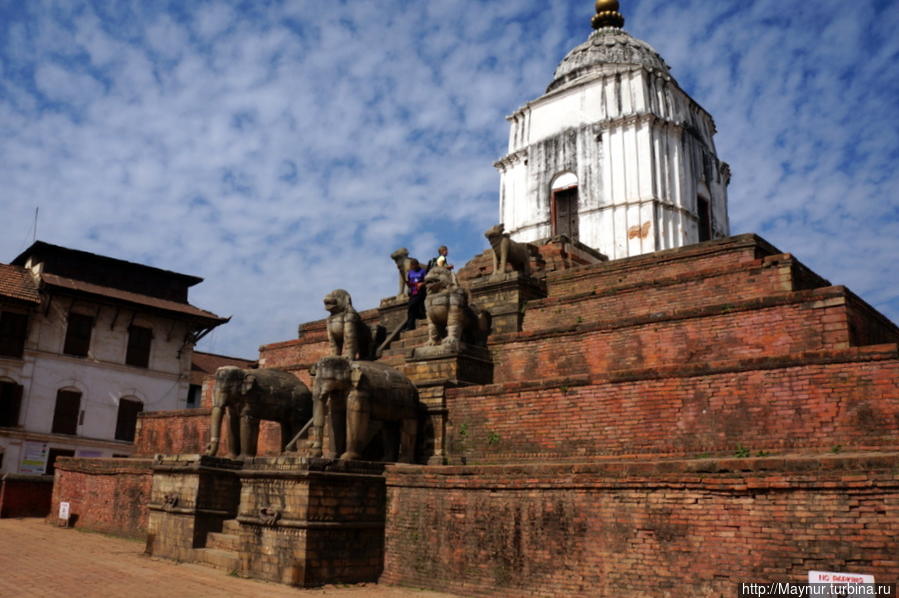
705 219
564 213
52 455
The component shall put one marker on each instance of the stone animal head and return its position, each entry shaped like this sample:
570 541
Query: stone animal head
337 301
330 374
400 256
495 233
438 280
233 380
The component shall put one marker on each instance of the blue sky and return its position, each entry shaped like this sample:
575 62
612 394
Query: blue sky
283 149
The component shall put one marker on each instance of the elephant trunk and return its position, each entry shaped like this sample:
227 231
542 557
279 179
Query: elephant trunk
215 423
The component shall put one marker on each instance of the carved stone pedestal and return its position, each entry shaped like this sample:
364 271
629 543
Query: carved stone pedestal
310 522
192 496
293 520
505 297
433 370
439 365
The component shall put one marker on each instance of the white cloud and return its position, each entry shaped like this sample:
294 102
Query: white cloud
286 152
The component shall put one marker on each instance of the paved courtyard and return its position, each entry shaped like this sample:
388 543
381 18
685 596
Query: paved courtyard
39 560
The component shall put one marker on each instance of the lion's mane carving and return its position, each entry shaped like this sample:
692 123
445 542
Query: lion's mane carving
450 317
403 264
507 251
348 335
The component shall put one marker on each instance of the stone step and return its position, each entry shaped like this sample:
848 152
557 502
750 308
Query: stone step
223 541
220 559
231 526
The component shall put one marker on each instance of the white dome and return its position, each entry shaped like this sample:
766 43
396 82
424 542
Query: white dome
609 46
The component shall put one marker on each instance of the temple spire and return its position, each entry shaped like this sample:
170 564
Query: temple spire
607 15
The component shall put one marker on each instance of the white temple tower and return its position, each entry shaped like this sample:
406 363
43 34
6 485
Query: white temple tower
614 154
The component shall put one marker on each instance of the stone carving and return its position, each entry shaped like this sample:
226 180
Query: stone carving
403 264
348 336
169 502
355 392
450 317
507 251
250 395
269 515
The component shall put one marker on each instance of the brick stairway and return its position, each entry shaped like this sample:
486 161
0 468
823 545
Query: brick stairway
222 548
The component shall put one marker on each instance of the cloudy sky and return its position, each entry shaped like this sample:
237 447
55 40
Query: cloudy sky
281 149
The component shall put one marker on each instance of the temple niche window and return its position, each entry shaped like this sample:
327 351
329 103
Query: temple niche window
703 214
564 206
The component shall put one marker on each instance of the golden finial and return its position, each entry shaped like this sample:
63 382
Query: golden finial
607 14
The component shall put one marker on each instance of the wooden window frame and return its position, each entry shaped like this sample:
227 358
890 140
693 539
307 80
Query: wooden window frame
78 339
62 424
13 333
140 343
10 403
126 418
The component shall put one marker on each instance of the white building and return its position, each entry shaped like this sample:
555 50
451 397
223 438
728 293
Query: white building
86 343
614 154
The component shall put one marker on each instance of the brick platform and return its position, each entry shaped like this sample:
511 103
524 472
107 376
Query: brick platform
641 529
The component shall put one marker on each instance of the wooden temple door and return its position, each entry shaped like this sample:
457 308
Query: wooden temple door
564 213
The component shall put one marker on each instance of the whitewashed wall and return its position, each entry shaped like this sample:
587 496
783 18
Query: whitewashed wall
640 148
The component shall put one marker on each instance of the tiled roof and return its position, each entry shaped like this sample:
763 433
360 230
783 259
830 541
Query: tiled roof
119 295
210 362
16 283
205 364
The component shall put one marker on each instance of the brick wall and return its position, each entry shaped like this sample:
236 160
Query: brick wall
800 322
735 252
695 289
187 432
813 401
107 495
639 529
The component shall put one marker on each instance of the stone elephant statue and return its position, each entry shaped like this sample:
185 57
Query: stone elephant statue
349 395
250 395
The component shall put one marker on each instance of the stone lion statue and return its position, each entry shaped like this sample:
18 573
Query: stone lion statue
507 251
450 317
403 263
348 335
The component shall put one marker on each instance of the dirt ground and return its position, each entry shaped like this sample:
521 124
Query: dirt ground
40 560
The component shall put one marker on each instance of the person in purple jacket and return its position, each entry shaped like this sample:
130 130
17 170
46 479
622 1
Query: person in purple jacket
415 277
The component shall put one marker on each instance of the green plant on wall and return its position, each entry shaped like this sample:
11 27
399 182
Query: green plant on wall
742 452
493 438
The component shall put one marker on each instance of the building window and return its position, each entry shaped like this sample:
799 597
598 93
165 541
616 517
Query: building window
126 423
52 455
194 396
139 339
704 219
13 330
564 206
65 416
78 335
10 404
